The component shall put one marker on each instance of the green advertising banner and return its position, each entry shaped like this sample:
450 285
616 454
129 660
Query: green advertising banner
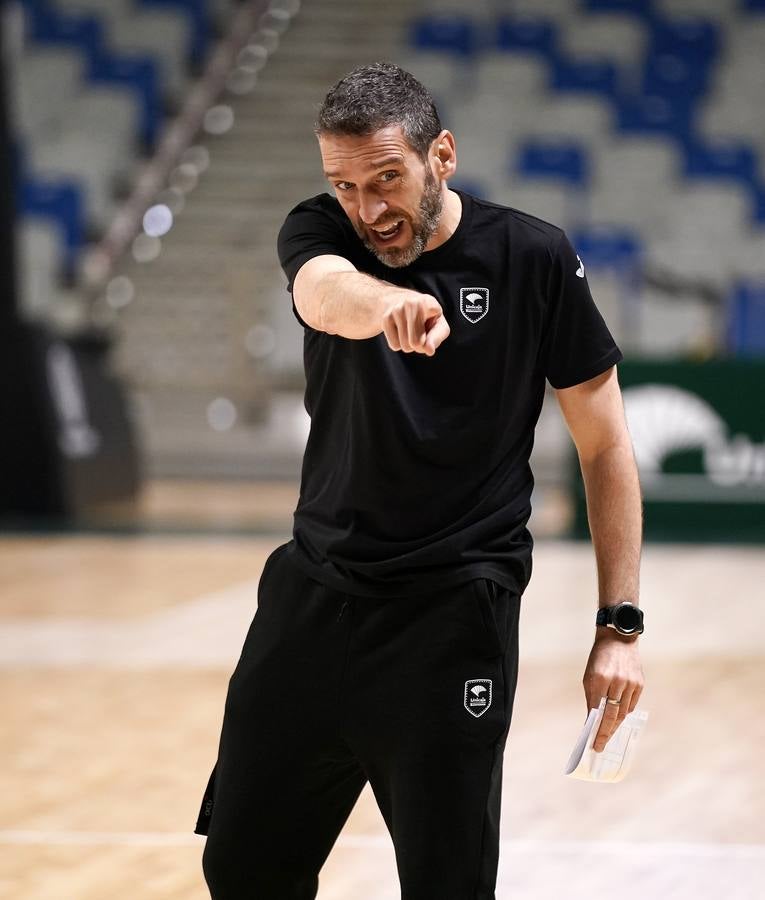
699 435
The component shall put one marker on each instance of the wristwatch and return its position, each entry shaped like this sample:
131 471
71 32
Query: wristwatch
625 617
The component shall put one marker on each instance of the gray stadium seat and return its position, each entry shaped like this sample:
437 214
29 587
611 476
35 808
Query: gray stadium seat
553 9
620 38
45 80
545 201
39 256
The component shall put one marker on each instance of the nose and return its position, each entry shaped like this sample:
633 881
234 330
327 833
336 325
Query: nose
371 207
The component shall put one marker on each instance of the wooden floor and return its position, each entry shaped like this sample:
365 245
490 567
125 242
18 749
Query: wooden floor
115 653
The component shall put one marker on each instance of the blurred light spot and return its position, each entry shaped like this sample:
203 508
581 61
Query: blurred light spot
184 177
252 57
157 220
267 38
276 19
241 81
146 248
291 7
173 198
196 156
260 341
218 119
221 414
119 292
95 266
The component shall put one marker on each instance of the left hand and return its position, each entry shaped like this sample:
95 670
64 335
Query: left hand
613 670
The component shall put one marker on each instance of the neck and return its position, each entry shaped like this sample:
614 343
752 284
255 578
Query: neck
450 219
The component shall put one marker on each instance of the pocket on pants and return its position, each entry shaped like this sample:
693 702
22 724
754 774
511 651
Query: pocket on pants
493 638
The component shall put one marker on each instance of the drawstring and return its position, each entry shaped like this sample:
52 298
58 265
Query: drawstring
342 610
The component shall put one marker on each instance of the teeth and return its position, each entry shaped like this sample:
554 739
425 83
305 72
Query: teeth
388 229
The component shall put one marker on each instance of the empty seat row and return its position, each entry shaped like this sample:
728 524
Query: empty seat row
90 83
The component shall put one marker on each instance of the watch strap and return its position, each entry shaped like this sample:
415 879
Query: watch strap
604 616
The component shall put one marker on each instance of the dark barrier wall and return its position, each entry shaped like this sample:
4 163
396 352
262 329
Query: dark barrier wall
66 445
69 450
699 435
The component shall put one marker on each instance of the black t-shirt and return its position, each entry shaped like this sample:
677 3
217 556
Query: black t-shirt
416 475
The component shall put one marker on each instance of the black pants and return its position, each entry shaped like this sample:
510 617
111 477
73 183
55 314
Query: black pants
414 695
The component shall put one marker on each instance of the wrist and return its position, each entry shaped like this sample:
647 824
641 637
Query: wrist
605 633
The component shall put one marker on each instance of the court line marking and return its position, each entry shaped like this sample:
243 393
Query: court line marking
690 849
208 631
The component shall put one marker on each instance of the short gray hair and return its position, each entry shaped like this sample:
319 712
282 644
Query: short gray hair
378 95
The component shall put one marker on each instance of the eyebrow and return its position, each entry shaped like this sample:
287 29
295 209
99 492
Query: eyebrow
378 164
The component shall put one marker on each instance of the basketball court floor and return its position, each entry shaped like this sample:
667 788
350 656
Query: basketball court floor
115 652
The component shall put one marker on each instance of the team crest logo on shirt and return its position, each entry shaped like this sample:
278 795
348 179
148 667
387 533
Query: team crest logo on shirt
474 303
477 696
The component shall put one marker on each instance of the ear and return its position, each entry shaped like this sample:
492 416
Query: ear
443 155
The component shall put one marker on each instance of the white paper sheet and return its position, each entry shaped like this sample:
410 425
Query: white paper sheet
614 762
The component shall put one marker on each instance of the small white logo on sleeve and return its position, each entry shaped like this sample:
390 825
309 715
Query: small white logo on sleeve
580 270
477 696
474 303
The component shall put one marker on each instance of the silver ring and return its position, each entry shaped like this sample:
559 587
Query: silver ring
613 702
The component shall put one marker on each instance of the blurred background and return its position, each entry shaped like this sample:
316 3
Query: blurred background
153 419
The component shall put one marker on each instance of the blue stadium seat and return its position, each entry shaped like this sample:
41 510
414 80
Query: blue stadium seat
674 76
136 73
642 8
607 247
47 26
528 35
139 74
729 160
696 40
758 204
454 34
746 319
561 161
592 76
651 114
61 201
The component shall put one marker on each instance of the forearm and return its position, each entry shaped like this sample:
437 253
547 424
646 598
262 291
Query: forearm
352 304
614 511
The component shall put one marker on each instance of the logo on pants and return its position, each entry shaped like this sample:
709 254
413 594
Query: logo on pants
477 696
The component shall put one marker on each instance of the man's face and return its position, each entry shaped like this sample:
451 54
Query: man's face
390 194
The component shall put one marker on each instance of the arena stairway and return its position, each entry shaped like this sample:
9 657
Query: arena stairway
207 338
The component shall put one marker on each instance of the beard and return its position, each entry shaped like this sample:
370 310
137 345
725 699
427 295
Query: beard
423 227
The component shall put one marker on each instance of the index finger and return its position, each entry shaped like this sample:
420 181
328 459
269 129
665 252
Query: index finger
438 332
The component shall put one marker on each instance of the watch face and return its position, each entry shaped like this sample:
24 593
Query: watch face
627 618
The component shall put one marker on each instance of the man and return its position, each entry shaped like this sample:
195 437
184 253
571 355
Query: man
384 647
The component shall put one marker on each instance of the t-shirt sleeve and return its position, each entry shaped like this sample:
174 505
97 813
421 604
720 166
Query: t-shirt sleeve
576 342
306 233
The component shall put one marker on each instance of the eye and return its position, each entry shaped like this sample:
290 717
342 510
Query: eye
389 176
343 185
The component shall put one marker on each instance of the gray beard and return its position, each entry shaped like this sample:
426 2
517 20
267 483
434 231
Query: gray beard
431 206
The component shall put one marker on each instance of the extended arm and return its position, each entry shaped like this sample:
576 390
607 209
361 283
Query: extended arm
332 295
594 414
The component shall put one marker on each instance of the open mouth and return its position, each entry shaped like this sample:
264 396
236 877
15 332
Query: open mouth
388 232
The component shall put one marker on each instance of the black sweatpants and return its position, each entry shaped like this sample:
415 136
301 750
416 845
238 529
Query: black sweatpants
413 694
